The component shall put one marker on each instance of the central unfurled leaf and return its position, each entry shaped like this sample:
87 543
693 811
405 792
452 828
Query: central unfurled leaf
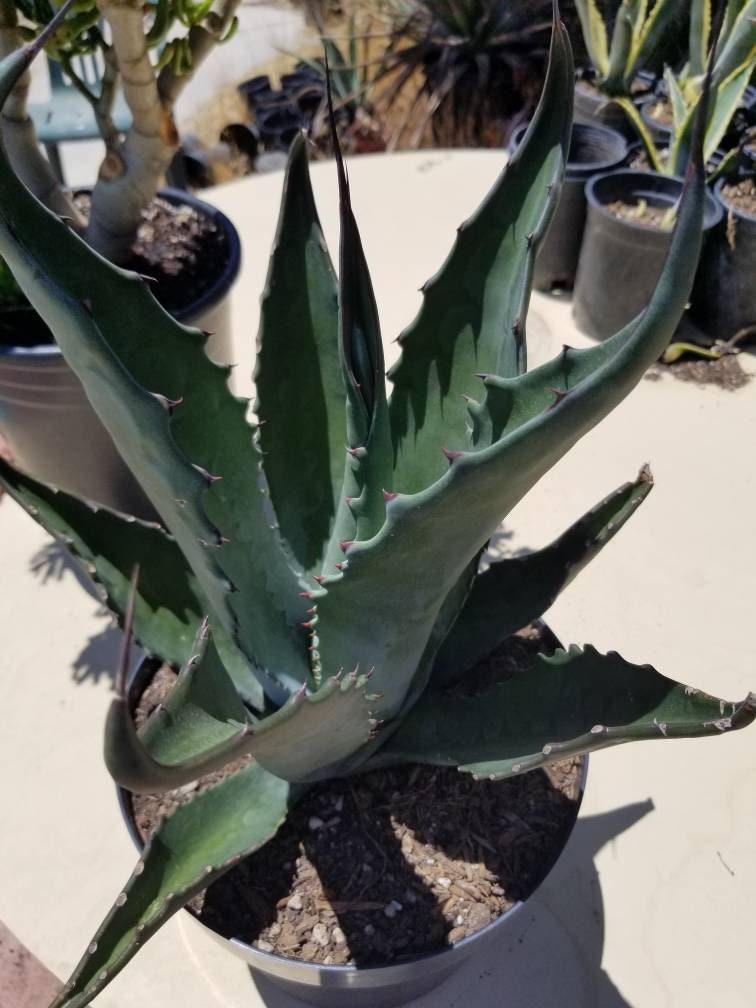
300 388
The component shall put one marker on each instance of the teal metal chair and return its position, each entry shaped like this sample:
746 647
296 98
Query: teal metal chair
68 115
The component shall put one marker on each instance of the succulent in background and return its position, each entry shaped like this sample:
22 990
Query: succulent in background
734 63
638 33
323 643
479 63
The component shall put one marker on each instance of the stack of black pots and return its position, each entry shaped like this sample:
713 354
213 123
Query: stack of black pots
278 114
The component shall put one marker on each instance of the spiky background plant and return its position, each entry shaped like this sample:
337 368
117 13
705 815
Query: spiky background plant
636 36
334 631
734 63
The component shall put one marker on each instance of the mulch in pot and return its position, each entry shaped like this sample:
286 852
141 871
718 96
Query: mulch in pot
387 865
641 212
741 195
182 250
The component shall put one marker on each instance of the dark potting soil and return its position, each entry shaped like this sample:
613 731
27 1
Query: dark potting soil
389 864
181 250
741 195
725 373
641 212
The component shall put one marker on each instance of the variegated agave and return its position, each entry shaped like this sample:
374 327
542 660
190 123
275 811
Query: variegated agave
383 507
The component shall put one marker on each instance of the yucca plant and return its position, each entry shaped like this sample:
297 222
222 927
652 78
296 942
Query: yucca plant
479 64
333 631
734 63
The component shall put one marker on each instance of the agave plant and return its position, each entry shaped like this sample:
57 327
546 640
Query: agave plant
322 642
636 37
734 62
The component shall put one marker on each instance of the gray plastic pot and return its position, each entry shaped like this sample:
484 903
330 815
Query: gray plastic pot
620 260
593 149
46 419
724 299
352 986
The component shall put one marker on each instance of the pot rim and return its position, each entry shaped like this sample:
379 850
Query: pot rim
728 207
215 293
712 209
307 972
576 170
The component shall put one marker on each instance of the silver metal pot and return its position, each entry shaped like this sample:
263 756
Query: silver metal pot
355 986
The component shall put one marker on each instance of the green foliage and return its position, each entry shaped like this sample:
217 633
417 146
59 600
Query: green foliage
733 66
637 34
364 602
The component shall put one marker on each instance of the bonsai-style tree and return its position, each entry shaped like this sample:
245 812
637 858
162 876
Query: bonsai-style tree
151 51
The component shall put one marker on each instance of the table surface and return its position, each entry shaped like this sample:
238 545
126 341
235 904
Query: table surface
652 904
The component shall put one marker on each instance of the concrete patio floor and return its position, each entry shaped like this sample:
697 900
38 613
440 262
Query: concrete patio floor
652 904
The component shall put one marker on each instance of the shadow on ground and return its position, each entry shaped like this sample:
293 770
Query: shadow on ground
99 655
551 955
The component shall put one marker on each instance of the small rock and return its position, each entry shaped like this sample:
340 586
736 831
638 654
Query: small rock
295 903
459 919
430 860
274 930
338 937
338 803
410 896
392 909
456 933
328 961
368 930
407 844
315 822
443 882
320 935
264 946
497 890
309 951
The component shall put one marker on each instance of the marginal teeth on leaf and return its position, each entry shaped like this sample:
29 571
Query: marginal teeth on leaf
345 544
206 476
451 456
388 495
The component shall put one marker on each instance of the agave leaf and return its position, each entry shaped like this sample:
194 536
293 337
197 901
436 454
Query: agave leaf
566 704
368 459
631 111
170 413
203 726
737 43
698 35
620 49
474 309
594 34
723 103
197 844
370 617
650 37
106 546
300 389
517 590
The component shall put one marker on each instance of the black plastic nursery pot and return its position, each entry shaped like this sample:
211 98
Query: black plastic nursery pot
661 132
593 149
389 986
620 260
45 417
724 301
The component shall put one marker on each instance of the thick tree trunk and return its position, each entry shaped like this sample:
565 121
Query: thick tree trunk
131 174
18 131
